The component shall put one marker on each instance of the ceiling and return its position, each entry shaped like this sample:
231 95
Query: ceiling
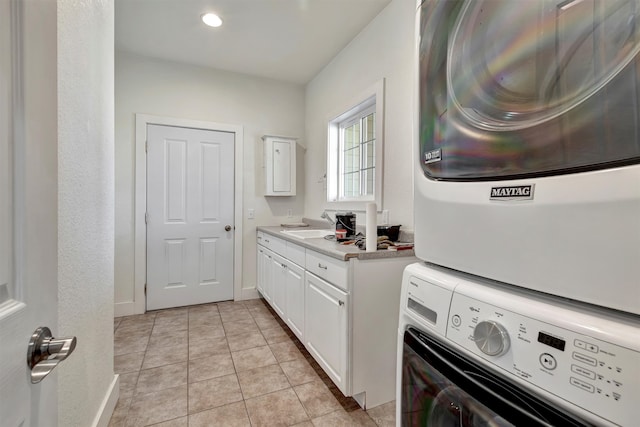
287 40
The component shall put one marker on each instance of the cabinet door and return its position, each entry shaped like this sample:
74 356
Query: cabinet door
260 269
280 166
267 268
325 322
278 280
294 307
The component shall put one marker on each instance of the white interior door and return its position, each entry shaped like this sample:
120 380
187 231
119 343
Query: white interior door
28 209
190 214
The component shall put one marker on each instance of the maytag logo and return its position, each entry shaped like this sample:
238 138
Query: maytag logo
514 192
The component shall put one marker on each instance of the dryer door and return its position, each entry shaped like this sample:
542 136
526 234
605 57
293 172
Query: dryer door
514 89
440 387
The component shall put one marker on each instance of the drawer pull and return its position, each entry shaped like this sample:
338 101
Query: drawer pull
340 302
283 265
266 240
324 267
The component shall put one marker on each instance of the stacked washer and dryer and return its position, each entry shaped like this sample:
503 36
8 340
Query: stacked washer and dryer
525 309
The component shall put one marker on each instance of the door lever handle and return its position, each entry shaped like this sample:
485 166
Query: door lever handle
45 352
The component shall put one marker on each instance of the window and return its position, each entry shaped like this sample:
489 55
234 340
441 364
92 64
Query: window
356 159
354 169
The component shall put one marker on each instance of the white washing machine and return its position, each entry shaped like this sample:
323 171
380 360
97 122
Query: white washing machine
475 353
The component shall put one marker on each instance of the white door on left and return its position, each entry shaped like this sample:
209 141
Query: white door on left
28 206
190 207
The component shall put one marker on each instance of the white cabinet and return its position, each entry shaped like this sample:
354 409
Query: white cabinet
345 312
295 299
279 166
325 319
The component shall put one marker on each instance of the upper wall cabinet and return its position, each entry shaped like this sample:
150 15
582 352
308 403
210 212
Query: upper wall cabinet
280 166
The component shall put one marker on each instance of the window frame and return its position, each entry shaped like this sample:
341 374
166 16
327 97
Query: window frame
370 100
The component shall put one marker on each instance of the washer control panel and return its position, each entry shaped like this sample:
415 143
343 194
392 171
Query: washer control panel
526 340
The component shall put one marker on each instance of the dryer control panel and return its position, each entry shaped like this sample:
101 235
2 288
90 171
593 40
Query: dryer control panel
581 358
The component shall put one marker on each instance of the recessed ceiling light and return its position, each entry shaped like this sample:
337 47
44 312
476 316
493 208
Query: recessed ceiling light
211 19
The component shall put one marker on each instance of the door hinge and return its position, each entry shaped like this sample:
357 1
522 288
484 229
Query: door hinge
145 289
146 217
146 146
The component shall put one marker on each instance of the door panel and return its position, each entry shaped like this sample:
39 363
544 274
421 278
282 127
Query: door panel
28 206
190 201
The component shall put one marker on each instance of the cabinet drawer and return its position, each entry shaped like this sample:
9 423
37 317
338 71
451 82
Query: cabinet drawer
296 253
332 270
276 244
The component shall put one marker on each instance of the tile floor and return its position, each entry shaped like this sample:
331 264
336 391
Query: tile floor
225 364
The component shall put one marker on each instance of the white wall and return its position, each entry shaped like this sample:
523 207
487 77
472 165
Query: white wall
384 49
161 88
85 207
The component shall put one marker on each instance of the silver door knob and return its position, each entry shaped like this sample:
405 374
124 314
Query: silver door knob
227 228
45 352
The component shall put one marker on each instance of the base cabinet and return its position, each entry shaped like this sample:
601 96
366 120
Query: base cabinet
345 312
325 319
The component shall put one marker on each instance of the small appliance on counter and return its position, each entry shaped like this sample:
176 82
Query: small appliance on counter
391 231
345 225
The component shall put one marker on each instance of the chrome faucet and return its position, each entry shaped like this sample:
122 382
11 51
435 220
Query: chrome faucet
326 216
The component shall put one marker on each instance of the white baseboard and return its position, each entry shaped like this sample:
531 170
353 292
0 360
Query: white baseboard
124 309
108 404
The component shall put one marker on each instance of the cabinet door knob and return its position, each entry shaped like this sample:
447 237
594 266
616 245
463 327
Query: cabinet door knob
340 302
227 228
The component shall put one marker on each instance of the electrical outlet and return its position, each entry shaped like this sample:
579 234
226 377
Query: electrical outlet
289 213
385 216
251 213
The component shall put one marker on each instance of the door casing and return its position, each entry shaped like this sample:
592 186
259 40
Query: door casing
140 208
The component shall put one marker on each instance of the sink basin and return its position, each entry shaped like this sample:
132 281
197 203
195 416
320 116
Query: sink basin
307 234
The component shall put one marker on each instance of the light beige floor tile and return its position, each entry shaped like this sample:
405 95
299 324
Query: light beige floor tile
170 324
245 341
152 408
235 315
280 408
138 319
209 347
213 393
260 310
161 340
299 372
177 422
232 415
286 351
255 302
161 378
205 332
128 384
126 345
171 312
167 356
119 416
263 380
133 331
203 308
384 415
338 418
316 398
266 322
210 367
240 327
228 306
130 362
204 319
275 335
304 424
361 418
244 360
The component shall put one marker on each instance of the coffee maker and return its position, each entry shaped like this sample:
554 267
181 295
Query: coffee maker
345 222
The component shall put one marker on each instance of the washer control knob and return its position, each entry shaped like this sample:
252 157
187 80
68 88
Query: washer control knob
491 338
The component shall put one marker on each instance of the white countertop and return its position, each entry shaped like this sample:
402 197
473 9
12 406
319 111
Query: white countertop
332 248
